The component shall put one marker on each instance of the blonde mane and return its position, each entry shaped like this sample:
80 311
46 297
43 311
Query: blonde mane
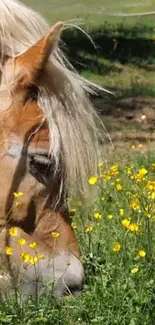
63 97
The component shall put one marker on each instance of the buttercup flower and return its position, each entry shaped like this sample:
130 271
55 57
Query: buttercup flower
72 211
141 253
125 223
121 211
74 225
135 204
8 250
17 204
41 257
33 245
25 257
109 216
150 185
101 164
17 195
128 170
97 215
92 180
55 234
12 231
133 227
152 196
119 187
89 229
114 170
116 247
141 173
33 260
21 241
134 270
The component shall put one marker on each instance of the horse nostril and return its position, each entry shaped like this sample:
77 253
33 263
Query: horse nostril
75 291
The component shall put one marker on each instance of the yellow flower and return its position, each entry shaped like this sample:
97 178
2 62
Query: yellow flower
55 234
135 204
102 198
72 211
152 196
21 241
92 180
109 216
25 257
101 164
74 225
125 223
140 145
17 204
114 170
133 227
134 270
89 229
17 195
150 185
33 245
41 257
128 170
141 253
119 187
33 260
97 215
8 250
141 173
121 211
153 165
12 231
133 147
116 247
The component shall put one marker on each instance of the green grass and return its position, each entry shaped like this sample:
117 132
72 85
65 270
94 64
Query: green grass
114 294
125 80
129 80
92 11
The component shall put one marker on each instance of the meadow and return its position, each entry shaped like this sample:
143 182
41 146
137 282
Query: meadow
124 54
92 12
116 236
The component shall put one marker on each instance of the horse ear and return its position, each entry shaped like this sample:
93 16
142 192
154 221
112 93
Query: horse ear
29 64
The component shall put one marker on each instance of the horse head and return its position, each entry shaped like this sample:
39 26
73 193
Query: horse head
33 197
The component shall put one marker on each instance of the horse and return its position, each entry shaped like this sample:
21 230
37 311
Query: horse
49 146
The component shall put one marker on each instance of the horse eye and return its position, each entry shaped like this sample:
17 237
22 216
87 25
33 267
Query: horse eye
40 159
40 166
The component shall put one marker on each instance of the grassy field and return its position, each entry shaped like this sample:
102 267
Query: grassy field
116 237
92 11
126 79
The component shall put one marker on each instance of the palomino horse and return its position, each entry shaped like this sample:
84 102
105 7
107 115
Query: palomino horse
48 146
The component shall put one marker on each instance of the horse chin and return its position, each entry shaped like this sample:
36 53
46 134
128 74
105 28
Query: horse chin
61 276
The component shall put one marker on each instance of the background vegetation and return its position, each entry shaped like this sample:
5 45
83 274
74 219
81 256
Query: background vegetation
129 41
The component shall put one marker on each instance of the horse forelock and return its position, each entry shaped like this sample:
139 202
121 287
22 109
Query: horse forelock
73 123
